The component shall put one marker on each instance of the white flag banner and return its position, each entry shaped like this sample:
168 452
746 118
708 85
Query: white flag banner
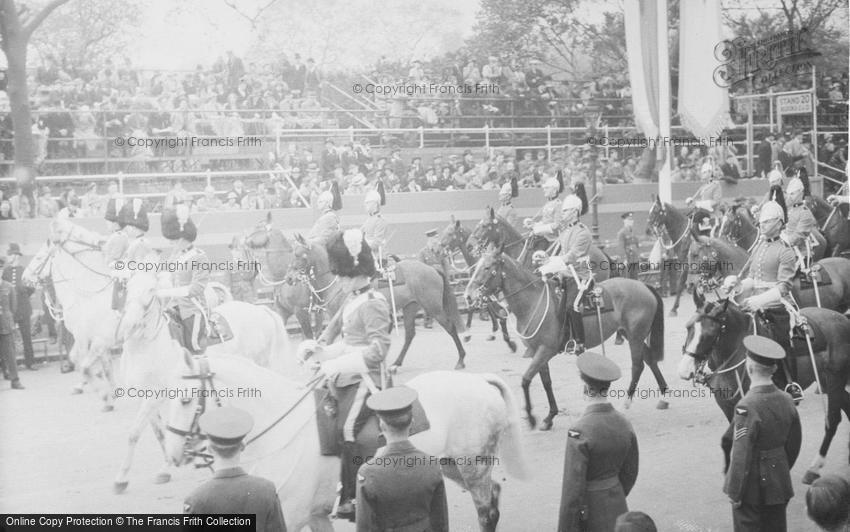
641 52
703 105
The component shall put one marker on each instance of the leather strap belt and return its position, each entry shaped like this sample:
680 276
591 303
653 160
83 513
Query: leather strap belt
603 484
776 452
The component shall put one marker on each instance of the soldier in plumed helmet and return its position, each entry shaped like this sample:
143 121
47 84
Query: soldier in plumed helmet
801 230
375 227
327 224
186 295
546 224
767 280
363 327
506 210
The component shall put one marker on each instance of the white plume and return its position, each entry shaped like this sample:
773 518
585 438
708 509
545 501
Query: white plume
353 239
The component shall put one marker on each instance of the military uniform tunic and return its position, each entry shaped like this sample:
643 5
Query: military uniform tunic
375 232
773 263
233 491
115 247
765 439
802 226
600 469
628 243
408 497
551 214
326 226
192 272
436 258
508 212
708 195
575 241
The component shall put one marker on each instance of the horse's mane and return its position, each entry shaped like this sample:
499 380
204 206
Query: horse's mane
510 230
525 275
91 237
724 247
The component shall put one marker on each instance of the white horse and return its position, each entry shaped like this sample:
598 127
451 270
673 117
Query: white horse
73 260
151 355
473 418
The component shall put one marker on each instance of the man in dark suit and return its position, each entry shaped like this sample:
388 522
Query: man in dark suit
232 490
329 158
765 156
402 488
601 464
764 438
12 273
7 330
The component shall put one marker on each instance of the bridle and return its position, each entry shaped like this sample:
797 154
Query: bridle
703 373
251 253
658 224
495 234
306 274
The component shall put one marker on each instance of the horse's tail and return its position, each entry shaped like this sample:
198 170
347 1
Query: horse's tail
656 330
450 304
510 444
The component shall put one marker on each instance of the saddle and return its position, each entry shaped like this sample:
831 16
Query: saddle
389 271
216 327
806 281
333 403
587 299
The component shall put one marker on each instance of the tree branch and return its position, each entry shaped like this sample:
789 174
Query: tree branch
36 21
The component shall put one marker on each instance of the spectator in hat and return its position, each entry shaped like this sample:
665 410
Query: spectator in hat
329 158
400 497
176 195
761 444
828 502
232 202
46 206
239 190
209 201
13 274
232 490
8 310
601 463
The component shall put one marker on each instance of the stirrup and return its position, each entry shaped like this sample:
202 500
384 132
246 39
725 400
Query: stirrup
573 348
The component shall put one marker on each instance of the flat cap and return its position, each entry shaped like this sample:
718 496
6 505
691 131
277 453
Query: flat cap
392 399
627 215
226 425
763 350
597 367
432 232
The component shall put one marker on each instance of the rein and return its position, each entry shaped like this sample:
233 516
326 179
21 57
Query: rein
543 295
678 240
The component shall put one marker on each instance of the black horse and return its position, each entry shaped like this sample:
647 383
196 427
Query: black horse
714 355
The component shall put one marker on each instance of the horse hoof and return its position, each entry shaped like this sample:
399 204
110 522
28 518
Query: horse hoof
491 338
120 487
460 365
546 425
76 390
467 338
107 408
532 421
662 405
618 341
162 478
810 476
512 346
673 314
392 370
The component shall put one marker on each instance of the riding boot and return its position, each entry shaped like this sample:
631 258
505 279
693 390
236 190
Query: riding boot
577 325
563 319
792 388
348 479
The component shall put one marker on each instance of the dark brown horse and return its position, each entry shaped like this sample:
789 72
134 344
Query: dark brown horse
674 229
834 224
454 238
629 304
424 287
738 227
713 355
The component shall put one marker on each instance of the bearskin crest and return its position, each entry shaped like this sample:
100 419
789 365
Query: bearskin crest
113 207
349 255
134 213
177 224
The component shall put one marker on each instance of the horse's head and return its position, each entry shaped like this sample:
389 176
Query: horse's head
63 236
302 260
704 332
454 236
184 441
488 231
39 267
267 246
656 222
142 314
488 276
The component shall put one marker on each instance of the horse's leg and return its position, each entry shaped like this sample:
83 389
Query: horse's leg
409 332
636 348
492 335
108 395
537 362
450 328
837 398
662 384
156 424
506 336
683 280
303 317
142 416
485 492
620 337
546 379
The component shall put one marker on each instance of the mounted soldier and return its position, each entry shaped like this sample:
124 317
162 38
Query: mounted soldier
375 227
801 231
546 224
363 325
572 264
129 246
707 197
768 277
775 180
506 209
327 224
189 278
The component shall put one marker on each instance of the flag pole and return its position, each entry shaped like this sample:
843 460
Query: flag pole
665 191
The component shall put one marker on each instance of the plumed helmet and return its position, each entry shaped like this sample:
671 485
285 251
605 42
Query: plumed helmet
176 224
572 202
771 211
134 213
551 185
372 197
113 207
505 191
775 176
794 186
581 193
349 255
325 200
